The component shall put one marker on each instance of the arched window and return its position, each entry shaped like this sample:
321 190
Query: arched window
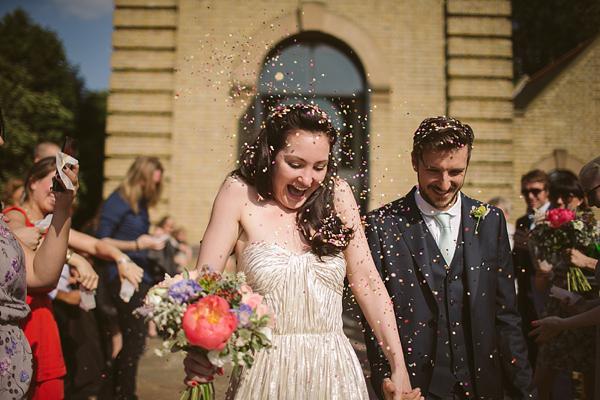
318 69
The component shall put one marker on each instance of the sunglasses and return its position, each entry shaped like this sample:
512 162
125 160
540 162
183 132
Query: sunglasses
535 192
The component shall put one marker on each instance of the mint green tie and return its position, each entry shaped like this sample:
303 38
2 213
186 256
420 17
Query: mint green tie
446 241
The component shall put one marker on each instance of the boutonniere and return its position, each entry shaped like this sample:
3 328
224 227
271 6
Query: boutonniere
479 213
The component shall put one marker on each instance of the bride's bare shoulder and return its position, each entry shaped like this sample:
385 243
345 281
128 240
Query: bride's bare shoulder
236 187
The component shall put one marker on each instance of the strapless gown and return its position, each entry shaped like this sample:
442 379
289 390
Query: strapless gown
311 357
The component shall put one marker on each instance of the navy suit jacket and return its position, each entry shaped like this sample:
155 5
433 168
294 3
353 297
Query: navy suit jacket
396 233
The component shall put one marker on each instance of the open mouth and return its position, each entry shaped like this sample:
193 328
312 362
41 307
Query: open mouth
296 193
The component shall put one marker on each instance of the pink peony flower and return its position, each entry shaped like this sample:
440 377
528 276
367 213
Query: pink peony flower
250 298
209 323
559 216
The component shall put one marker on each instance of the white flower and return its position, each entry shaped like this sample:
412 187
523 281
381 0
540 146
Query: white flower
267 332
217 360
577 224
240 342
152 299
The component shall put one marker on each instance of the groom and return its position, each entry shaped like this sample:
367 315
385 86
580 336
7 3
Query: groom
446 262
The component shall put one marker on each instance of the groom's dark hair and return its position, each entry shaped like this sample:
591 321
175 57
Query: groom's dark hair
442 133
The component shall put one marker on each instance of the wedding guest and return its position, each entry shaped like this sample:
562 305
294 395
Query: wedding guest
23 268
573 350
534 189
125 223
587 311
40 326
12 195
446 263
184 250
45 149
297 233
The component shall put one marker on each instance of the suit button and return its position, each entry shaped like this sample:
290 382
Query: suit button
452 302
456 345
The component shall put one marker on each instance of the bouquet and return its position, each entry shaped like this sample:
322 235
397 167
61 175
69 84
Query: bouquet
215 314
561 229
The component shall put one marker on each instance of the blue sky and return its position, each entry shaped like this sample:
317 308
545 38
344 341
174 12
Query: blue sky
85 28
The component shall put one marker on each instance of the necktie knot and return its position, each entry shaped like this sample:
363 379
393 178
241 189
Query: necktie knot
443 219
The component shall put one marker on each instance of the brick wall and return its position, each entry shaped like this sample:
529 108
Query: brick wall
184 72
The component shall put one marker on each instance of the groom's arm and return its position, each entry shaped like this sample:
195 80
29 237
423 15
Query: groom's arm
518 372
380 368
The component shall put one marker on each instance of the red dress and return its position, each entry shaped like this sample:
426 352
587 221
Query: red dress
42 332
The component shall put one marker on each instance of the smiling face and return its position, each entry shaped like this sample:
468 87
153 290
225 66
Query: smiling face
299 168
42 194
441 174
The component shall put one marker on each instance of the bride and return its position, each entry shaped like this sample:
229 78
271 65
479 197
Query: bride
297 233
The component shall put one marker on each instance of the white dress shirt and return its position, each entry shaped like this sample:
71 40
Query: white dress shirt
428 212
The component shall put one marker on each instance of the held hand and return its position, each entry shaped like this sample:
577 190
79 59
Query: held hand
30 236
147 242
87 276
131 272
393 392
547 328
577 258
197 368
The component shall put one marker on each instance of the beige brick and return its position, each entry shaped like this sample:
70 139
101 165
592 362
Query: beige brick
144 18
146 3
475 7
473 67
491 88
138 123
142 59
491 109
116 168
136 80
149 102
474 46
144 38
124 145
473 26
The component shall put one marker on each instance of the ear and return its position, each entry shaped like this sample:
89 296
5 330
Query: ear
415 161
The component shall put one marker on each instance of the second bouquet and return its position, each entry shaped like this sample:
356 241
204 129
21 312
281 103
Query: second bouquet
218 315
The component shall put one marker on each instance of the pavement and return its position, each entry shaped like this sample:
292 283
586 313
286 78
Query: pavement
161 377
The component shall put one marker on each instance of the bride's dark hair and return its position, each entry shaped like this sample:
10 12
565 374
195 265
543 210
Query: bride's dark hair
317 219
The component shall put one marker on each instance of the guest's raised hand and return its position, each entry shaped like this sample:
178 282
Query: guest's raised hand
68 195
547 328
130 271
147 242
30 236
88 278
197 368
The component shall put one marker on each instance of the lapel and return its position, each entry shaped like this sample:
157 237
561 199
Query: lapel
417 237
472 251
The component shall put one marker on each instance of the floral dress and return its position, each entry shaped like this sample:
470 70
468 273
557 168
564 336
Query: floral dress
15 354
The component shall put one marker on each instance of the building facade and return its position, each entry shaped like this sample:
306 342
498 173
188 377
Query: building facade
192 78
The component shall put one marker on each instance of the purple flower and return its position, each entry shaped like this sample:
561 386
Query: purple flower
24 376
4 366
8 277
15 265
183 291
4 231
244 313
9 350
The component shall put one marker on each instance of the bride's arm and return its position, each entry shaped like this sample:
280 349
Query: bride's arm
223 228
369 290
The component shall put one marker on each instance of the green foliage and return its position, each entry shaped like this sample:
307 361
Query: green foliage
43 99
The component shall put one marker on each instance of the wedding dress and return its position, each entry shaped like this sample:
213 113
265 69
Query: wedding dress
311 358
